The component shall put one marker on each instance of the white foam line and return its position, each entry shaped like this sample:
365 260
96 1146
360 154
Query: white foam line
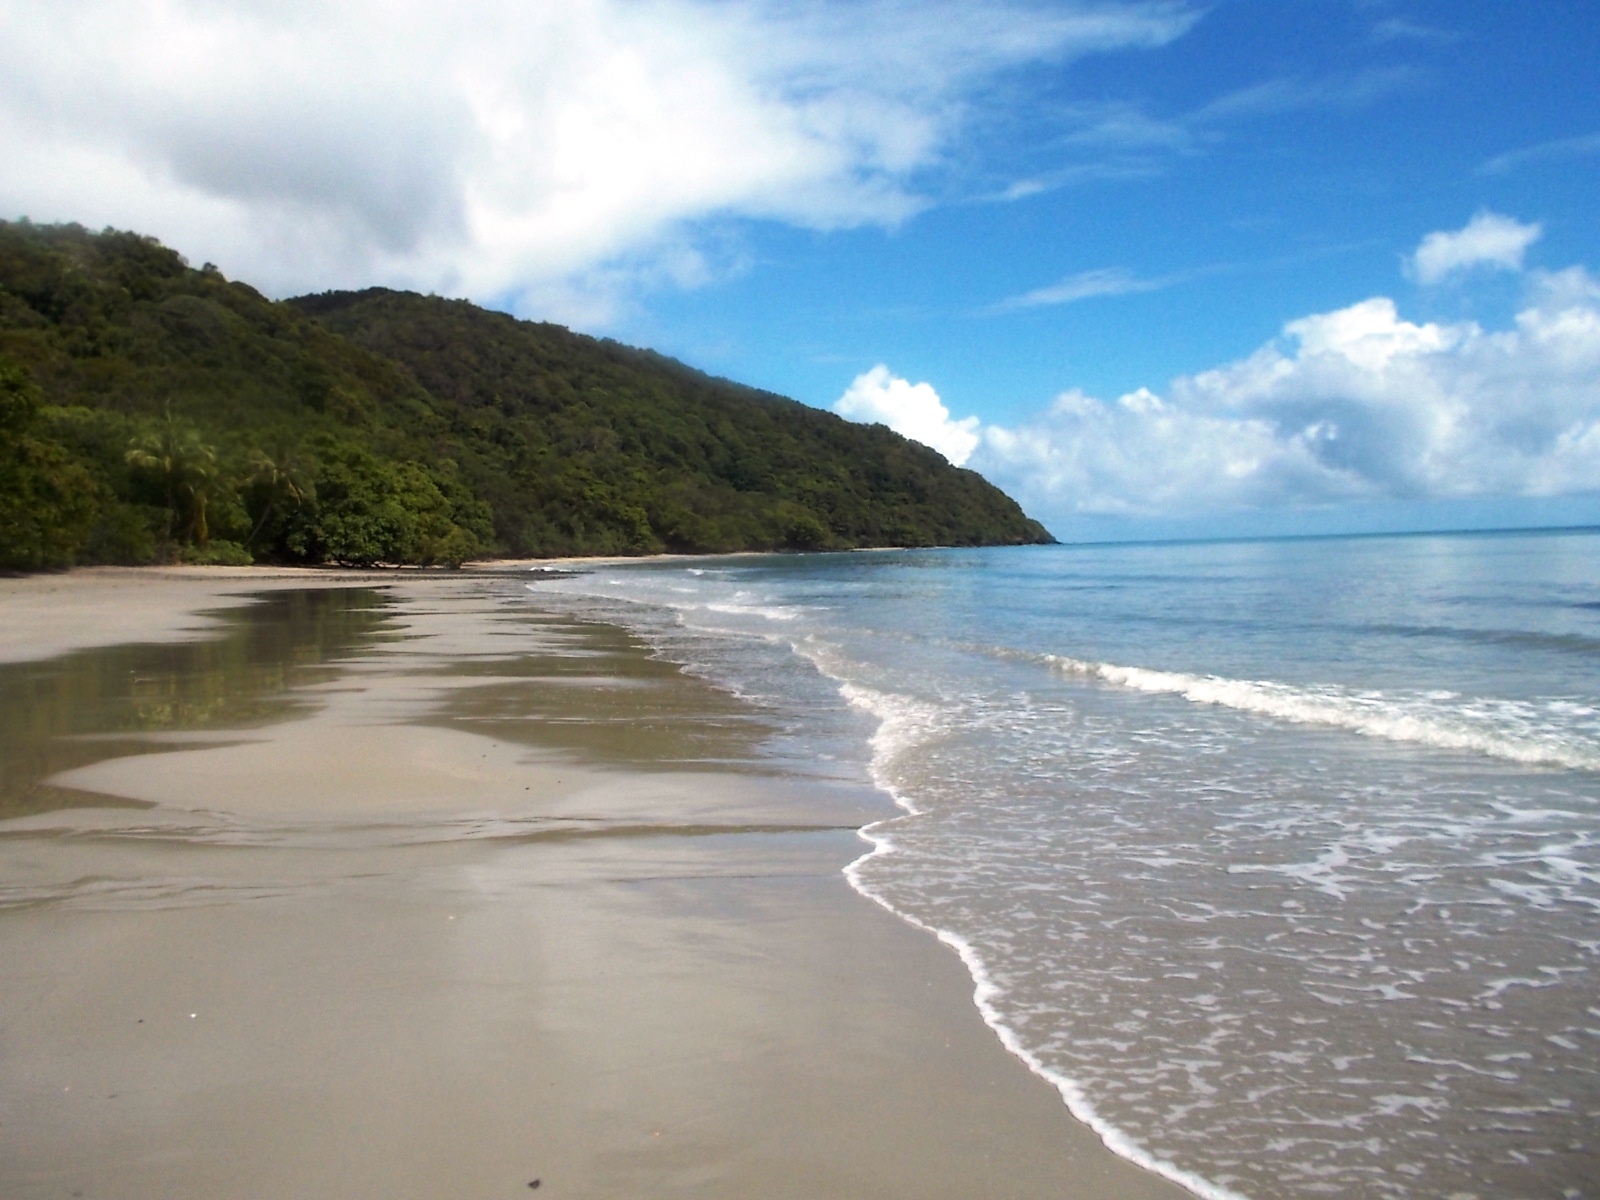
985 991
738 608
1371 716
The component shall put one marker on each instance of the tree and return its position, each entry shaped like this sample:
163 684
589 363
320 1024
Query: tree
185 468
48 501
371 510
278 485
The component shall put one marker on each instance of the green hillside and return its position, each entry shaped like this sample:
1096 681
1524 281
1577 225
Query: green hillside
152 411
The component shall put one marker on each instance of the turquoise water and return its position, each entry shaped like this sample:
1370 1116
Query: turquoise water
1280 859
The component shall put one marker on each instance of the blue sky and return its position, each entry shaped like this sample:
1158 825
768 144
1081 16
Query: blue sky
1099 252
1344 148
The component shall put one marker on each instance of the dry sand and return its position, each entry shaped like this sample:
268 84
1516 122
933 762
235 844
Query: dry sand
472 911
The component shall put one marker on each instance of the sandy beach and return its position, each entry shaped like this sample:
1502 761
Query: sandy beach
325 884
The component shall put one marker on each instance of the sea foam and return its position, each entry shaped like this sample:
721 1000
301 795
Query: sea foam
1513 730
905 724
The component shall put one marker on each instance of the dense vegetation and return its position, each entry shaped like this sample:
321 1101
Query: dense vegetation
150 411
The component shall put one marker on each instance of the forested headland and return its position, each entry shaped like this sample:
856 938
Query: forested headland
151 411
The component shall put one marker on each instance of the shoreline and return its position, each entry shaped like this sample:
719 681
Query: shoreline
49 613
984 989
626 972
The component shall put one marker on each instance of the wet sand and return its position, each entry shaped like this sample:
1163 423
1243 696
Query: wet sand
414 891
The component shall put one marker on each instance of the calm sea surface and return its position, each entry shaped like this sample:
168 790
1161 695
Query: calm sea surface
1280 859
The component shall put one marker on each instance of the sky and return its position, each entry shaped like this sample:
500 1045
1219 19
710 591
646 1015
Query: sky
1157 268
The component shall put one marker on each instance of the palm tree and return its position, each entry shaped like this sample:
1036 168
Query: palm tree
186 467
282 479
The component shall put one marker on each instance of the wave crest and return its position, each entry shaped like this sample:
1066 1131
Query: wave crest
1503 729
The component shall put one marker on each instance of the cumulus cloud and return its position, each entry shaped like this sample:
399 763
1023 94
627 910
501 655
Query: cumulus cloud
1359 404
1355 405
911 409
536 153
1488 240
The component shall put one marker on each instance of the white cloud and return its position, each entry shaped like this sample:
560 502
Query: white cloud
1103 281
1489 240
1277 96
1562 148
1397 29
1117 140
913 410
1353 405
501 149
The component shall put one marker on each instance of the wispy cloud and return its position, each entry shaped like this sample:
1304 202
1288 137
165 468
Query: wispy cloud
1123 126
1399 29
1119 281
1110 171
1572 147
1118 140
1085 285
1277 96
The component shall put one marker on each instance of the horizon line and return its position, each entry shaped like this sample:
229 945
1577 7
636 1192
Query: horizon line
1493 531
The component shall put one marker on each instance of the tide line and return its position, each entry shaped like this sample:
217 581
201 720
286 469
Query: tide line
902 724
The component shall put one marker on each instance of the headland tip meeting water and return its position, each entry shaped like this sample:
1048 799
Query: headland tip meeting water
1281 860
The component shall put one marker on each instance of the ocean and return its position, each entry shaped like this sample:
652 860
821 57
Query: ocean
1279 859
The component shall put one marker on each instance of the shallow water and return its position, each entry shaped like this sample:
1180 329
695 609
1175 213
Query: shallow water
1281 859
98 704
